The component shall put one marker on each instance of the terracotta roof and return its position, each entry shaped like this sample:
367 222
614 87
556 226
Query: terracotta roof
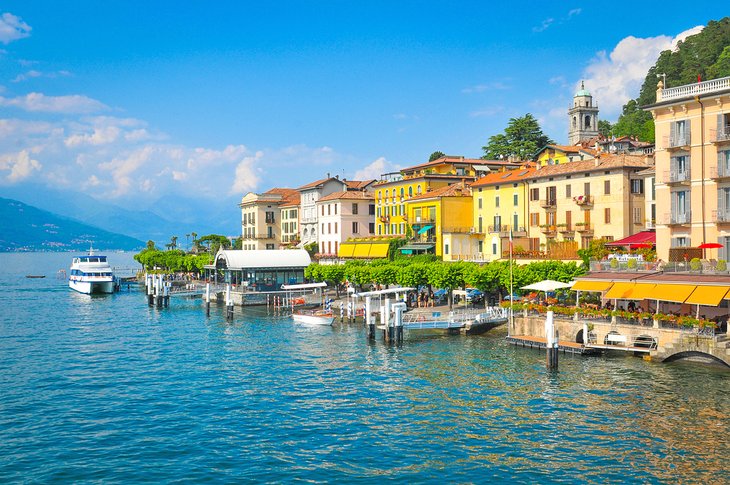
467 161
563 148
348 195
604 162
459 189
508 177
291 200
288 196
317 183
358 184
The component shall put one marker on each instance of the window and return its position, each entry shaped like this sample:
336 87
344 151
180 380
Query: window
480 246
354 228
496 201
410 191
418 190
534 194
335 228
568 191
480 227
269 217
371 209
371 228
479 202
637 186
322 231
515 221
322 209
336 208
497 223
354 208
329 209
607 215
680 242
535 219
379 211
680 134
607 187
587 189
446 248
494 248
638 219
680 210
515 199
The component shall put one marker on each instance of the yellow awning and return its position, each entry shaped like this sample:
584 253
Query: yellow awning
620 291
592 285
346 250
676 293
641 291
708 295
379 250
361 251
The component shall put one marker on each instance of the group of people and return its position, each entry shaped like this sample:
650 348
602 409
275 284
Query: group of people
421 299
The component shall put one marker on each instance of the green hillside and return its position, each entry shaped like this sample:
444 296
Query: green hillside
26 228
706 54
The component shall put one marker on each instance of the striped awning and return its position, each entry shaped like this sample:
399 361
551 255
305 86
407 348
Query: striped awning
674 293
708 295
592 285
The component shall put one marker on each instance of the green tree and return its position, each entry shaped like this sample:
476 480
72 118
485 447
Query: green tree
721 67
522 138
605 128
436 155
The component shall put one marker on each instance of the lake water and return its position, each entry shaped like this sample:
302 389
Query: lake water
108 389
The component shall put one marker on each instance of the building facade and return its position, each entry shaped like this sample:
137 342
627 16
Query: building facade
261 216
343 216
309 195
290 222
693 168
582 117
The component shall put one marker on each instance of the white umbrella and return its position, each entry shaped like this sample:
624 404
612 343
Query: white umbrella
547 285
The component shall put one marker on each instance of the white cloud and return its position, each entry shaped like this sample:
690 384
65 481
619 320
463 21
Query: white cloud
36 74
100 136
54 104
575 11
375 169
20 166
491 111
544 25
615 78
246 178
480 88
12 28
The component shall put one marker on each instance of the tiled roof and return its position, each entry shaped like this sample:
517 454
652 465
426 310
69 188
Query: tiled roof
288 196
348 195
292 199
452 159
605 162
317 183
507 177
358 184
459 189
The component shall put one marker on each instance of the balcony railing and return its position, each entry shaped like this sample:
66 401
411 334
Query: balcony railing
583 200
719 172
679 217
720 136
583 227
566 228
695 89
548 230
548 203
677 141
721 217
676 176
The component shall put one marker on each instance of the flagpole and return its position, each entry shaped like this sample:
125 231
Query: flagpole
511 291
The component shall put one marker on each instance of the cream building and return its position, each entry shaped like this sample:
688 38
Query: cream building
290 221
693 168
261 217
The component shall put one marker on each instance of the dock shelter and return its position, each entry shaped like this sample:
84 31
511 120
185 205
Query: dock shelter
259 270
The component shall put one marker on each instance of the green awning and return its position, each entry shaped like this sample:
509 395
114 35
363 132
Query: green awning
416 247
424 229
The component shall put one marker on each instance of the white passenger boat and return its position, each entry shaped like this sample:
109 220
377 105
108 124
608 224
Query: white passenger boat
91 274
318 317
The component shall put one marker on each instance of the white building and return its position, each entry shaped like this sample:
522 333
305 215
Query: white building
310 194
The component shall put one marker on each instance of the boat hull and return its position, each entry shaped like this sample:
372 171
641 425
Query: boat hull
92 287
313 319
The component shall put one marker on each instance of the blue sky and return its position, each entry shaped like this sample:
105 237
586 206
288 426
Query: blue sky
131 101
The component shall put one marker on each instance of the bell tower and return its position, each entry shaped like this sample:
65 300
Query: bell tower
582 117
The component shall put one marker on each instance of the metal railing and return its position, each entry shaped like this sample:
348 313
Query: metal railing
548 203
720 216
677 141
676 176
720 135
679 217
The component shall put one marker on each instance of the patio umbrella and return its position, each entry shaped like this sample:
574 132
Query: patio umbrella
704 246
547 285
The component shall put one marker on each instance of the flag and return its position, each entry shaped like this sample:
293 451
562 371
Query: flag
699 78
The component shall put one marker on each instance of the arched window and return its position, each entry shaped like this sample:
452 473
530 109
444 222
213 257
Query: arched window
575 122
401 192
418 190
588 122
410 191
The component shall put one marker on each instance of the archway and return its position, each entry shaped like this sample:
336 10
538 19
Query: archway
696 356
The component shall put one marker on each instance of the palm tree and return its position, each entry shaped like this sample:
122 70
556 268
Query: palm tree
173 242
186 240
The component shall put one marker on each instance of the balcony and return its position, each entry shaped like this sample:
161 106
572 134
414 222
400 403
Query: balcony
720 172
565 228
549 230
676 142
650 224
679 218
695 89
676 177
584 201
549 204
721 216
720 136
270 220
584 228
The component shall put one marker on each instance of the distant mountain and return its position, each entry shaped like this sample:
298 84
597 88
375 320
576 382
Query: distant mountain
27 228
170 216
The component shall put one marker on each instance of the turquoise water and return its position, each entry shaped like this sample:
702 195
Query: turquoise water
108 389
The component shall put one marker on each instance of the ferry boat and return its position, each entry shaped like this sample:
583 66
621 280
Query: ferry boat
91 274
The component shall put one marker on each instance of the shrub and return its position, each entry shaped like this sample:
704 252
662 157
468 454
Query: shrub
721 265
695 264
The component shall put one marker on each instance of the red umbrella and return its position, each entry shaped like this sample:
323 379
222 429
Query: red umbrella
710 246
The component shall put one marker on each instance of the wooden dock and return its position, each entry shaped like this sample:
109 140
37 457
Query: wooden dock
539 343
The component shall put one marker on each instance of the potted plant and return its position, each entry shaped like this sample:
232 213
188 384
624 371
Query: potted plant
721 265
613 263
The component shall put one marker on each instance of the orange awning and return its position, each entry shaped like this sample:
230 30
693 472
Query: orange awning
675 293
592 285
708 295
620 291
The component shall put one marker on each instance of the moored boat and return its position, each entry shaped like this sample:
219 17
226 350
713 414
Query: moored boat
35 276
91 274
318 317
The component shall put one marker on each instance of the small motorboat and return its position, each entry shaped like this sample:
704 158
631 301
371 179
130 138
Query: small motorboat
35 276
314 317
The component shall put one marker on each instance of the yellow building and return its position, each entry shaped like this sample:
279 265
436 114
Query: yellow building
500 208
440 222
581 201
693 168
557 154
393 190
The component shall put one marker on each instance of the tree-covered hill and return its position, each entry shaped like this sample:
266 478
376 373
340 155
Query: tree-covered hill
27 228
706 54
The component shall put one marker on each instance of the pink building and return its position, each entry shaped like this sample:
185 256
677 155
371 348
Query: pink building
344 215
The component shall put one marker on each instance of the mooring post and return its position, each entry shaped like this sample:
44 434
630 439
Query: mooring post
229 303
148 287
551 342
207 298
398 310
369 319
385 320
166 294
